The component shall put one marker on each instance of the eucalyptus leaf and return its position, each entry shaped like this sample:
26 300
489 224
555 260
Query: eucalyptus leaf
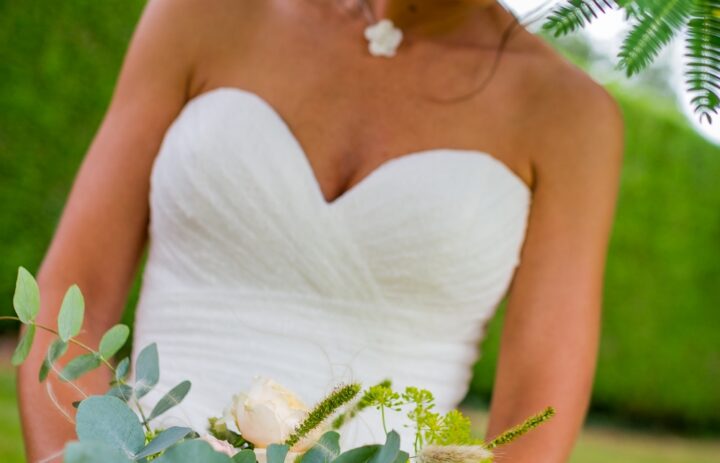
325 450
23 348
121 391
26 299
72 311
56 350
122 369
110 421
93 452
402 457
192 451
165 439
388 452
79 366
113 340
358 455
244 456
147 370
169 400
276 453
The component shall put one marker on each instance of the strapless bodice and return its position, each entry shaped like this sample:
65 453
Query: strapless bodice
250 271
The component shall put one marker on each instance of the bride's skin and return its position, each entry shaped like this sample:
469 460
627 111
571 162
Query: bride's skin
560 132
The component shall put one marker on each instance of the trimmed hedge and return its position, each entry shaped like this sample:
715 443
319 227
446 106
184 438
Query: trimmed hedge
660 356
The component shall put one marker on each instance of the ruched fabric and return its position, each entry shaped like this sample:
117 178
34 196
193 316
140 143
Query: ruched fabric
251 271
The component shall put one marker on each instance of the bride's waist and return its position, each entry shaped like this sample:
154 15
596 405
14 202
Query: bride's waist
239 316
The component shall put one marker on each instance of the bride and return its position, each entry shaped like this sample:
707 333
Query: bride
328 197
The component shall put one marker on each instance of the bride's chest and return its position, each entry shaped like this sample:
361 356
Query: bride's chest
232 191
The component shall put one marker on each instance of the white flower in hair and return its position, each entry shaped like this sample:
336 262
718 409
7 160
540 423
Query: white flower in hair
384 38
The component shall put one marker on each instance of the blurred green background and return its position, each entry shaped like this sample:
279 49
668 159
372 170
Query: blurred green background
657 392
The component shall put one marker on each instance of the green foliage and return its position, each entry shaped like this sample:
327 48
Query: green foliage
72 311
367 398
147 370
382 396
162 441
171 399
57 349
110 421
323 410
654 25
23 348
122 370
703 57
276 453
27 296
358 455
388 453
195 451
219 430
325 449
523 428
657 24
113 340
454 429
79 366
87 452
576 14
244 456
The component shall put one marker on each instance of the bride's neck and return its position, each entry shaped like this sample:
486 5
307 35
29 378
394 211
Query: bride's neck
437 17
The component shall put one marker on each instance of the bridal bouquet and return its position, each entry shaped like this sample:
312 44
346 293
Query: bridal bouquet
268 424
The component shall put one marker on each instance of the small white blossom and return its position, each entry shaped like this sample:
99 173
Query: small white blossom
384 38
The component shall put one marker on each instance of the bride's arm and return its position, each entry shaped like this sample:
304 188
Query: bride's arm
550 336
102 230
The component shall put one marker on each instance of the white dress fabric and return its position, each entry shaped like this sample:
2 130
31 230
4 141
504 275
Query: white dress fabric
252 272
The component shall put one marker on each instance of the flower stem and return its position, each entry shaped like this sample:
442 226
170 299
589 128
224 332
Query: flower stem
71 340
90 350
517 431
382 415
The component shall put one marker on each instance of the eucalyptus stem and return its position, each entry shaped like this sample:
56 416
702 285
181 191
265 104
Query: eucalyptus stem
142 414
382 416
71 340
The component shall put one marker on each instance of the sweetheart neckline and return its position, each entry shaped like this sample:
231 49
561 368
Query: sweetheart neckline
375 171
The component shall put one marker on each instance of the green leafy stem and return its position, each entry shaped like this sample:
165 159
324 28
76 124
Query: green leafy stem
26 303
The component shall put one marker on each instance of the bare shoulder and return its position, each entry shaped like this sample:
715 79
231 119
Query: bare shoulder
576 124
197 24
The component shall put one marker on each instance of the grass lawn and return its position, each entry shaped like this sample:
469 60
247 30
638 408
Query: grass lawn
597 445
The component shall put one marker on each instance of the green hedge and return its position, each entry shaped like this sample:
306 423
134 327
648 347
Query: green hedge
660 356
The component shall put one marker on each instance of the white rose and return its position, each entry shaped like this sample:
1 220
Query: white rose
384 38
268 414
219 445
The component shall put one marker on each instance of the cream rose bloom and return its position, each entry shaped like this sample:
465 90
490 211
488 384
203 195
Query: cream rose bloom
268 414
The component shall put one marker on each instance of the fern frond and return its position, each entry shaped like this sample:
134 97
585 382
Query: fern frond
659 22
576 14
703 58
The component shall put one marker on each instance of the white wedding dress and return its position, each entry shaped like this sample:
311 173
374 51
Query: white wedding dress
252 272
